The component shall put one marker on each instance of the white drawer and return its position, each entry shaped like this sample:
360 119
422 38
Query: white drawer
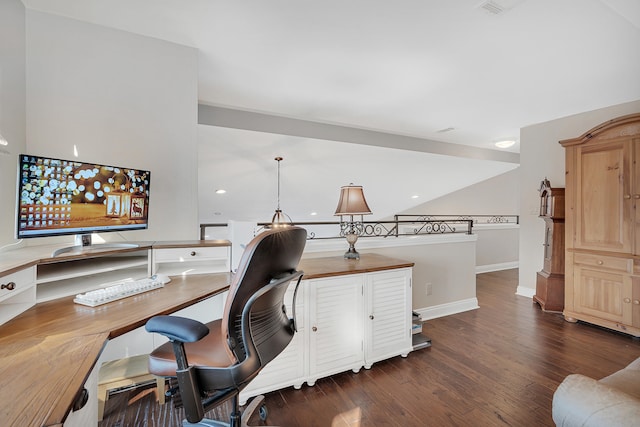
14 283
190 254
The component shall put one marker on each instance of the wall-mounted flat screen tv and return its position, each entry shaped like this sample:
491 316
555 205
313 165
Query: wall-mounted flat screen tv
58 197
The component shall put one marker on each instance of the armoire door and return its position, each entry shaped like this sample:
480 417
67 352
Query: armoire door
603 198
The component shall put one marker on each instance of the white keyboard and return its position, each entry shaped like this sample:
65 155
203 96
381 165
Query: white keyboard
120 290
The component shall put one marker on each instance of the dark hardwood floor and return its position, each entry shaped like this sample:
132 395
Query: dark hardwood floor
495 366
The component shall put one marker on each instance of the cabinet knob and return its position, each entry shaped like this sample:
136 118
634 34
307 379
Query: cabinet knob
627 196
314 329
600 262
627 300
193 253
371 316
636 301
636 196
9 286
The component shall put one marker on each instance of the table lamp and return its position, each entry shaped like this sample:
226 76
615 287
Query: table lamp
350 204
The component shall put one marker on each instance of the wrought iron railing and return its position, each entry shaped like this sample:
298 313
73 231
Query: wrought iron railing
401 225
477 219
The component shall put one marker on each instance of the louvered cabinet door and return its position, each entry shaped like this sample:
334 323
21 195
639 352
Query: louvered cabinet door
387 315
335 325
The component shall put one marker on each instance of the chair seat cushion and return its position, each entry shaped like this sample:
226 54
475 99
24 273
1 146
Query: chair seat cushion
209 351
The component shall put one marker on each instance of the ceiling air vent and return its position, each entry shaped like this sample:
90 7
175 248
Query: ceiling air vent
498 7
492 7
449 129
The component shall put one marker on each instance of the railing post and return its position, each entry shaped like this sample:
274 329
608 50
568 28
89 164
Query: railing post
395 217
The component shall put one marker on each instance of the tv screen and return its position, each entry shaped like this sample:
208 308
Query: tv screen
58 197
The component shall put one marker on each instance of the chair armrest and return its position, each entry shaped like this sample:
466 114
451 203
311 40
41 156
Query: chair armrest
177 328
583 401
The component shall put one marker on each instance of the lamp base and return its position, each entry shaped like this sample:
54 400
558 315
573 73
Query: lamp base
351 254
352 238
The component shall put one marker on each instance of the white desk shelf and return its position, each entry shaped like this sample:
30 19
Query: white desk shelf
70 277
18 293
37 276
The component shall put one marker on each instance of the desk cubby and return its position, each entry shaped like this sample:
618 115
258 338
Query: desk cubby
64 277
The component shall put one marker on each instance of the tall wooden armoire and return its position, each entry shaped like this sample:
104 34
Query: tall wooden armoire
550 281
602 267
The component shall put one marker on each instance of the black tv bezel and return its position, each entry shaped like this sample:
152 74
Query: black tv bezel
77 230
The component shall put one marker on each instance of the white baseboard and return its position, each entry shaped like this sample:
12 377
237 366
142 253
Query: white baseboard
525 292
448 308
496 267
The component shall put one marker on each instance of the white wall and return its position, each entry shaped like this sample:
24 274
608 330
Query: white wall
497 246
542 156
12 109
493 196
123 100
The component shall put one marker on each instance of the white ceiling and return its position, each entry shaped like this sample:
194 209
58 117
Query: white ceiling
411 67
406 67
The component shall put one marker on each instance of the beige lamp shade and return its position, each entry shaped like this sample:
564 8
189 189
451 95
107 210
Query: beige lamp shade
352 201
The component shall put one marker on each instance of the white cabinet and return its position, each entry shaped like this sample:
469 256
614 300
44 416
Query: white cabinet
344 323
387 315
17 293
335 332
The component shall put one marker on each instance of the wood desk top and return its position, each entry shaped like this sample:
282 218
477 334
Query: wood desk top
47 352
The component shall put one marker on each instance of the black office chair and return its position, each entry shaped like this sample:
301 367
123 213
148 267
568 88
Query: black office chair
214 362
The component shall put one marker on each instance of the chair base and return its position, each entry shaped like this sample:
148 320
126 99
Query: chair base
256 403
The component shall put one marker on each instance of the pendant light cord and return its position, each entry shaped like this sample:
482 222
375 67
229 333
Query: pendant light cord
278 159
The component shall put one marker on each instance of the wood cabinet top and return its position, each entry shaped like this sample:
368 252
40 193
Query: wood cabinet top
315 268
614 128
48 351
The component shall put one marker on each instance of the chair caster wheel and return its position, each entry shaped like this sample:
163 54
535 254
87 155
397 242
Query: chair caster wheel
263 412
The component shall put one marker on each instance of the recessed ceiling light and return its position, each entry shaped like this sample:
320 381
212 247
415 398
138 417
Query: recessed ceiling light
415 196
221 191
313 213
505 143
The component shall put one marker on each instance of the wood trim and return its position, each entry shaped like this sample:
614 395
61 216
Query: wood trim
633 120
191 244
